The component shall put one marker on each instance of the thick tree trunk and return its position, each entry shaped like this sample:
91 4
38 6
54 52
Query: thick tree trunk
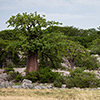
32 64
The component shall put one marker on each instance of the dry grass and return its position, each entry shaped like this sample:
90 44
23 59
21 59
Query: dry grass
49 94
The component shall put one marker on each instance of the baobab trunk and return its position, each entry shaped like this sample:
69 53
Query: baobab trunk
32 64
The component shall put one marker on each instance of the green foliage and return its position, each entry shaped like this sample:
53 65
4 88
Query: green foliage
33 36
44 75
78 78
29 28
53 44
12 75
74 51
89 62
33 76
83 36
69 82
8 38
19 78
95 46
77 70
59 81
81 79
57 84
8 70
15 76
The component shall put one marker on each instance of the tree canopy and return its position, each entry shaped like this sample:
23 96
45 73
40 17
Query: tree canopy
32 36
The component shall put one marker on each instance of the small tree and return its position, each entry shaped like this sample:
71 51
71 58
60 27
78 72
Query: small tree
31 35
74 51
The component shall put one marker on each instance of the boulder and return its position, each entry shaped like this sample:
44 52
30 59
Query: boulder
27 84
16 86
3 77
20 70
63 86
41 86
49 86
2 71
6 84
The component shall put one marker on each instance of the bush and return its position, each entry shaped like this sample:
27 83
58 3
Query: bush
19 78
59 81
44 75
69 82
57 84
16 76
33 76
47 76
10 65
12 75
78 78
82 79
9 69
88 63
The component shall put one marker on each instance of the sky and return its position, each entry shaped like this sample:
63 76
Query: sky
82 14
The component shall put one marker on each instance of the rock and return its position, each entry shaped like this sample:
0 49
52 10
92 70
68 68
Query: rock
26 84
63 86
23 73
16 86
37 87
49 86
86 71
62 72
2 71
27 81
3 77
20 70
42 86
11 84
98 88
6 84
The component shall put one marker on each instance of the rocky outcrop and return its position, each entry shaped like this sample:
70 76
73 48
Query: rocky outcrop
62 72
63 86
2 71
3 77
20 70
43 86
27 84
6 84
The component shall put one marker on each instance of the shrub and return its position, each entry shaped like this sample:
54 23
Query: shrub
12 75
89 63
9 69
59 81
69 82
10 65
82 79
19 78
33 76
57 84
78 78
44 75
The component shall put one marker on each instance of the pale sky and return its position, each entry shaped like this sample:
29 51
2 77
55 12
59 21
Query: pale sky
77 13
